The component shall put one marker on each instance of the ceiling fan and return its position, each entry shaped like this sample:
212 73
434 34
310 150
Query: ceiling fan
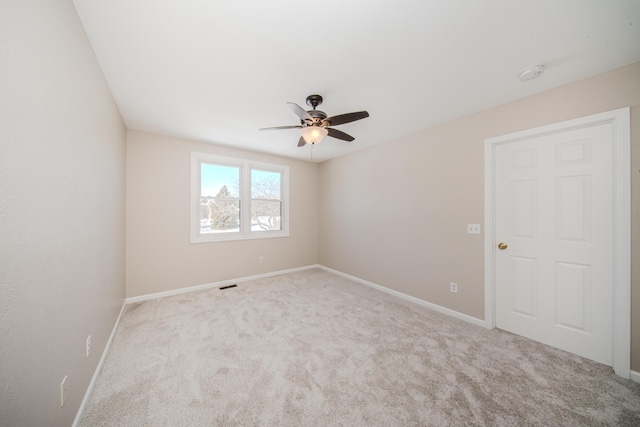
314 124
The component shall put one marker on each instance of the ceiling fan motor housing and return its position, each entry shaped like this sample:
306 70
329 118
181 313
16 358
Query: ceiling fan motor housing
318 118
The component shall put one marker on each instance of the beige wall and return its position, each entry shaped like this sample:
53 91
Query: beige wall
396 214
62 212
159 254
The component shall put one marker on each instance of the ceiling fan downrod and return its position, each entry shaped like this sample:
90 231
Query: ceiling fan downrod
314 100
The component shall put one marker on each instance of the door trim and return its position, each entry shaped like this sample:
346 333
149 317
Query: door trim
620 121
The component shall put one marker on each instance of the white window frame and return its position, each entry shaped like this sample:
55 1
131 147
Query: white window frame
245 166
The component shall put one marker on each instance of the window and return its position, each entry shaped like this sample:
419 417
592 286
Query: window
234 199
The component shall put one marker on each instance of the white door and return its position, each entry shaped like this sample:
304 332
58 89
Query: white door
554 213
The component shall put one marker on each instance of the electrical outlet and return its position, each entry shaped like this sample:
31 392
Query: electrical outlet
63 391
88 345
473 228
261 259
453 287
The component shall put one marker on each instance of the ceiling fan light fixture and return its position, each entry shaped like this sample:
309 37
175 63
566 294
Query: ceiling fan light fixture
313 134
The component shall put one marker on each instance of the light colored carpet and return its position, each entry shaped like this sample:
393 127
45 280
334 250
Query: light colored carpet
314 349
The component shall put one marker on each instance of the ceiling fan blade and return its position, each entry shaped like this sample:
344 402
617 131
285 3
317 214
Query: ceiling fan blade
281 127
335 133
299 111
346 118
301 142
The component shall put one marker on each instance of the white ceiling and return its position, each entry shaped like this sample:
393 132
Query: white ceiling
216 70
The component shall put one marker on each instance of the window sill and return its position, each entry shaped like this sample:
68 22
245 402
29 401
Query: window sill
230 237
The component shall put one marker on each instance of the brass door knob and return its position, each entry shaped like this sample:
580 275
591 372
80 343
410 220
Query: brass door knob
502 246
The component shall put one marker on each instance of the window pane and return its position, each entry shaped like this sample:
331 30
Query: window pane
266 205
265 185
219 202
216 180
220 216
266 215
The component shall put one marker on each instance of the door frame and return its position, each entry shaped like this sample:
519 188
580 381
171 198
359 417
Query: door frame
620 121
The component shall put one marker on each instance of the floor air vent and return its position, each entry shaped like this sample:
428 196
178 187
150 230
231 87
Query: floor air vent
227 287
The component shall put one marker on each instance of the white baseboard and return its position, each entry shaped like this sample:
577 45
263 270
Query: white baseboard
435 307
215 284
96 374
635 376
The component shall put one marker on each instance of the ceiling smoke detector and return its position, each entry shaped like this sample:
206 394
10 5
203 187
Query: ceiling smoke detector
531 73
